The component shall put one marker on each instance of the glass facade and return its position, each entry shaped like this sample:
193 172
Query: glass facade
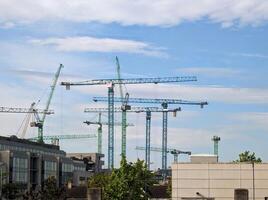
50 169
79 168
67 167
20 170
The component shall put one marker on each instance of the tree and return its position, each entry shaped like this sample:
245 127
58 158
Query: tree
99 180
51 190
11 190
169 188
130 181
248 157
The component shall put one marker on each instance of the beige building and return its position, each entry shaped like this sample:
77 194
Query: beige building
205 178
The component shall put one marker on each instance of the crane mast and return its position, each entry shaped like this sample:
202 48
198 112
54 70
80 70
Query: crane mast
111 83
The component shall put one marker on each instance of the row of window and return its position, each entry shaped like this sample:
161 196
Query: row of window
65 167
32 150
20 169
79 168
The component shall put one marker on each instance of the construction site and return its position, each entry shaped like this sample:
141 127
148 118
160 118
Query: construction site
133 100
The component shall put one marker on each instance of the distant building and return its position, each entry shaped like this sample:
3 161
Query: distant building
93 161
30 163
205 178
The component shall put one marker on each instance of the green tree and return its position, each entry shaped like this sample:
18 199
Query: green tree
50 191
247 156
169 188
130 181
99 180
12 190
32 195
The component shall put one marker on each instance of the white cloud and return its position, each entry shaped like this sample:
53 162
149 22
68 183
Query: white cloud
142 12
251 55
7 25
254 119
210 71
209 93
91 44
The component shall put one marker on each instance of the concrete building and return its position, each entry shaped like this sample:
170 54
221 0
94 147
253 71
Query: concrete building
93 161
205 178
30 163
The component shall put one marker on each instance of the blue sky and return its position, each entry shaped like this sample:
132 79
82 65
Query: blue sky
223 43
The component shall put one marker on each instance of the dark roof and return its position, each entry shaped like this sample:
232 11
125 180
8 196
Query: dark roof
14 138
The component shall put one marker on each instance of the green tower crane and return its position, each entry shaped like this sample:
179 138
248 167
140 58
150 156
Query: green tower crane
39 123
55 138
125 107
174 152
30 111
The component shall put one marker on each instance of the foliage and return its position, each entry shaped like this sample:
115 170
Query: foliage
130 181
169 188
248 157
99 180
11 190
32 195
50 191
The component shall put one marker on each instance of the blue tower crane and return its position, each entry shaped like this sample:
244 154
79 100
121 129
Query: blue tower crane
110 83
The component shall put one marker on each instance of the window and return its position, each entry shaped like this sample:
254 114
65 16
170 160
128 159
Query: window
50 169
241 194
20 170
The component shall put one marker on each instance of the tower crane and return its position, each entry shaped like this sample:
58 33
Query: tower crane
39 123
164 103
25 110
100 123
29 111
174 152
110 83
124 109
55 138
148 111
216 140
